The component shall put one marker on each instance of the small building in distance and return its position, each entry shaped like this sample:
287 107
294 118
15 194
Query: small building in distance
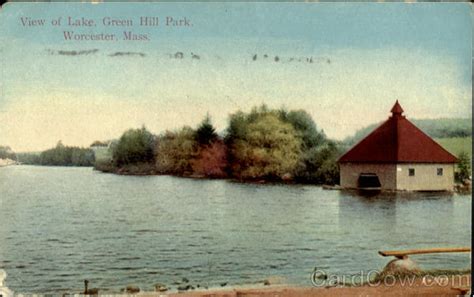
397 156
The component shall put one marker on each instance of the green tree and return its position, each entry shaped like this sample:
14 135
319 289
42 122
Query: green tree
29 158
237 127
305 126
319 165
99 143
318 158
7 153
262 145
206 133
134 146
62 155
464 167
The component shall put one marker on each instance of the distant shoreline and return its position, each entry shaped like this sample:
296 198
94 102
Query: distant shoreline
7 162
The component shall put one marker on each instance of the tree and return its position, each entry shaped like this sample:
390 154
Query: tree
319 165
7 153
82 157
134 146
175 152
262 145
318 158
206 133
99 143
305 126
29 158
211 160
464 167
237 127
61 155
268 143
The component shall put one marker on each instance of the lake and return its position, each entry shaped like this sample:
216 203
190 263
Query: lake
60 225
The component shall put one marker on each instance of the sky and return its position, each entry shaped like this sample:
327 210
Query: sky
344 63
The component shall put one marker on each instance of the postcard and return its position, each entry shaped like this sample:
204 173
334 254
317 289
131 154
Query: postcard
235 149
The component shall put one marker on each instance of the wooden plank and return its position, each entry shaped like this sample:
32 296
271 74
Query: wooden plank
462 290
403 253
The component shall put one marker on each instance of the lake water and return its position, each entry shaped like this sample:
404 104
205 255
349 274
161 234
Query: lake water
59 226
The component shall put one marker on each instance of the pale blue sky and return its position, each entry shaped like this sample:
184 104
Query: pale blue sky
364 57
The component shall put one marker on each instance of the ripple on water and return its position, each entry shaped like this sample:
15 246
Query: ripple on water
114 231
128 258
126 268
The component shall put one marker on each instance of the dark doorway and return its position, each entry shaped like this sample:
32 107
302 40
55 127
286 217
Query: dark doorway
369 180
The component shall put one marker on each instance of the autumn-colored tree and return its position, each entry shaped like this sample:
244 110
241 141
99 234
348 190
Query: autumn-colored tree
211 161
175 151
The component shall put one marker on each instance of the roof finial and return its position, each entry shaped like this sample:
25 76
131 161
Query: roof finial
397 110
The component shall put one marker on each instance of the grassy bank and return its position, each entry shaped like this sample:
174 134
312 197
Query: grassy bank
456 145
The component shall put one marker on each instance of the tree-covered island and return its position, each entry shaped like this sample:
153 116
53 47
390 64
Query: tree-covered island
263 145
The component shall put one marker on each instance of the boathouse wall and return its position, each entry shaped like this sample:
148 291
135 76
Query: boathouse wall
350 172
425 177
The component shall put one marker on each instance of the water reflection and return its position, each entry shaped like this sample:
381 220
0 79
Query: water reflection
362 208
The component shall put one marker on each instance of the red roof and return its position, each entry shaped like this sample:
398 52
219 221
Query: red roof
397 140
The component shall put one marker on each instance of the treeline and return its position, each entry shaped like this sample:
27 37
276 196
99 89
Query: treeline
7 153
60 155
264 144
435 128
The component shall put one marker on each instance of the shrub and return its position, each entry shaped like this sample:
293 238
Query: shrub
134 146
463 167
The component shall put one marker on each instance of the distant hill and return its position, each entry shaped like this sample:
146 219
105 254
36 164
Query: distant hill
456 145
436 128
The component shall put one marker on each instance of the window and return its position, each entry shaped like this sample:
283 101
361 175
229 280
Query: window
439 171
411 171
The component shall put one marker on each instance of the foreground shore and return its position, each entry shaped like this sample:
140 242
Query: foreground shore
433 286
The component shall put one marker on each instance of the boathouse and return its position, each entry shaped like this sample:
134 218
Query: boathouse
398 156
